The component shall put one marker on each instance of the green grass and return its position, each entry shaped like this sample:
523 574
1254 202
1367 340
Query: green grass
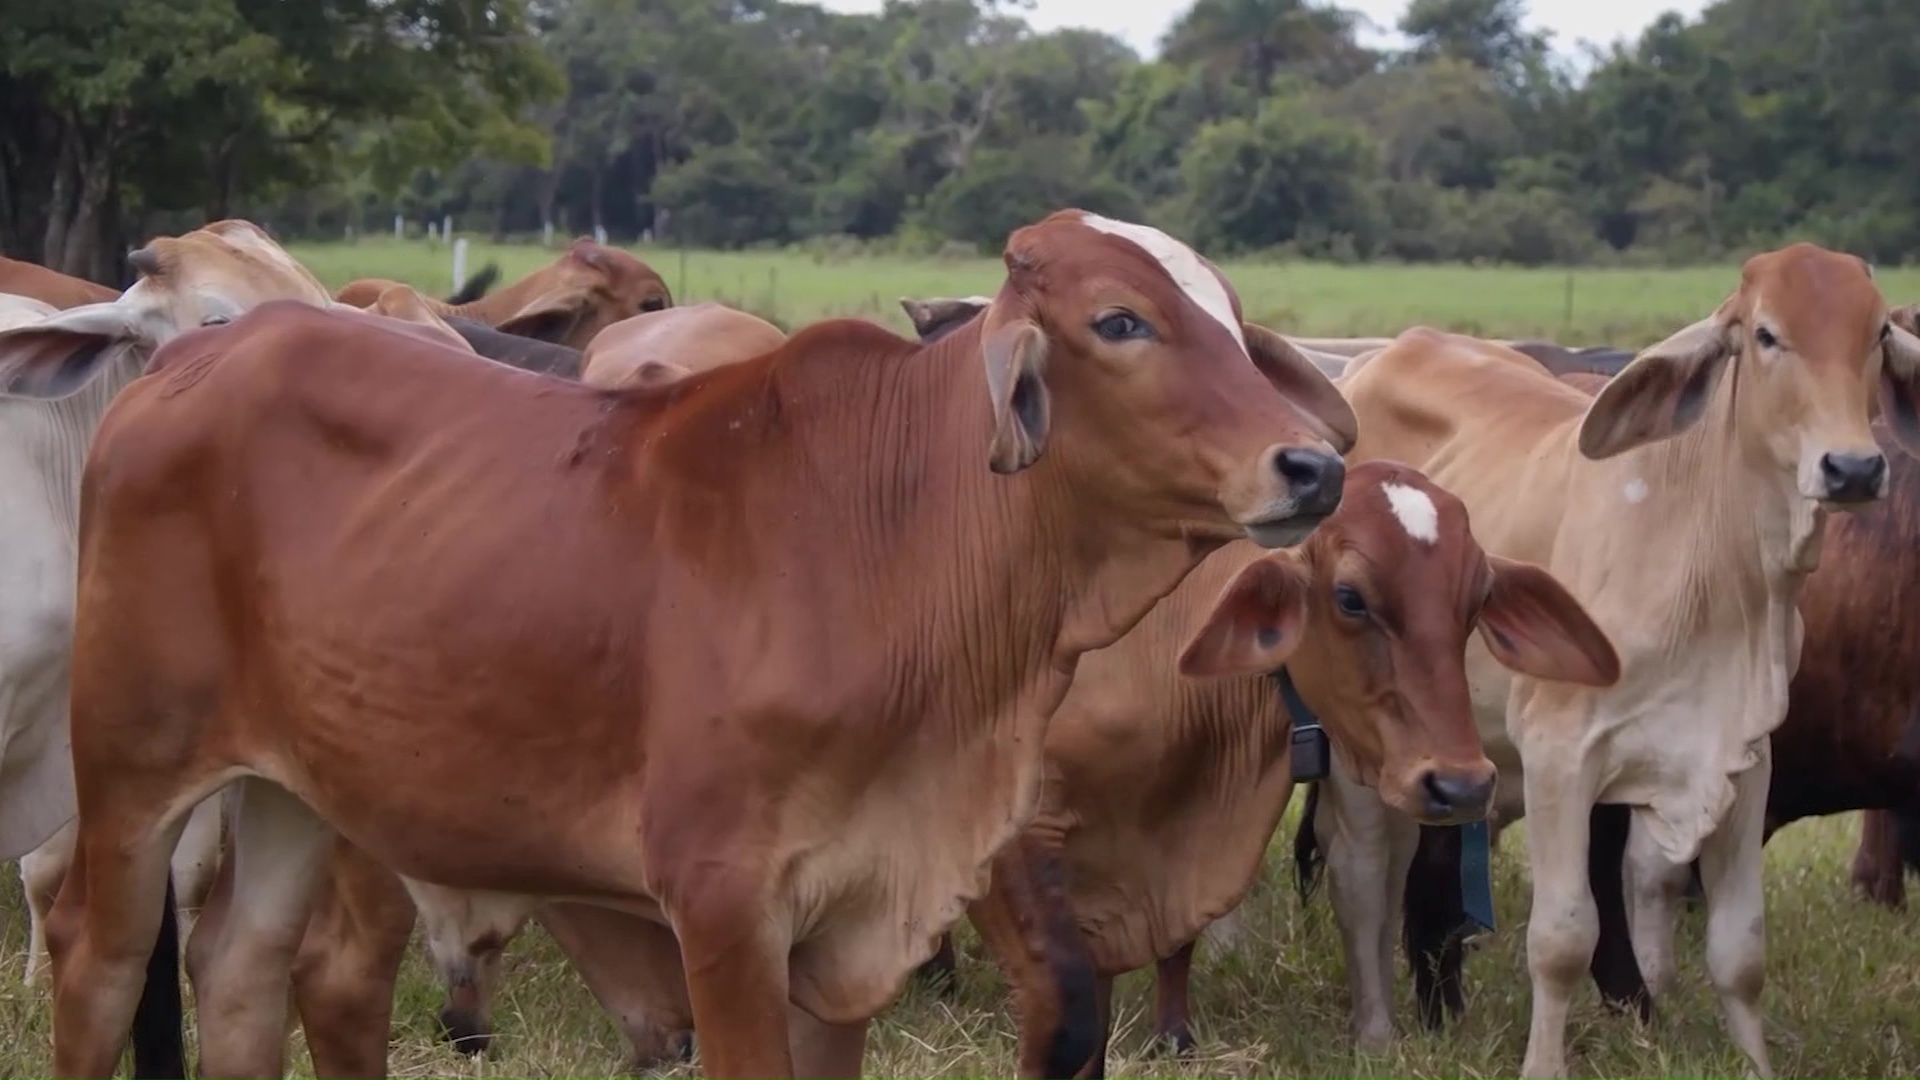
1629 308
1841 1000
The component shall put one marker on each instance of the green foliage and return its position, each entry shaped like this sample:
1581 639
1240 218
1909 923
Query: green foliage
937 123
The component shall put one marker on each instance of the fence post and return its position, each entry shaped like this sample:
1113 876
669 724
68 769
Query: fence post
459 262
599 233
446 228
546 235
399 227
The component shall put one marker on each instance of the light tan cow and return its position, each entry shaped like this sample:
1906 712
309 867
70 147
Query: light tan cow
662 346
1683 507
567 302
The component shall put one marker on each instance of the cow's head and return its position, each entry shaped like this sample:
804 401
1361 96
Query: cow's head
1119 350
1372 614
207 276
588 289
1809 341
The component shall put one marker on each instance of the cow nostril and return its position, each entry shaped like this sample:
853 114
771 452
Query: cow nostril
1313 478
1852 476
1449 795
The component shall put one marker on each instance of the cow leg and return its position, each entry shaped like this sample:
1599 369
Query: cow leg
41 871
348 963
1096 1066
1615 971
1877 872
737 977
101 931
280 846
822 1049
1653 890
1564 925
633 969
1730 869
1028 928
467 933
1369 850
1434 915
1172 1009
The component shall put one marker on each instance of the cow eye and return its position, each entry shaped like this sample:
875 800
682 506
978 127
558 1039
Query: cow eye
653 303
1349 601
1120 326
1766 338
216 320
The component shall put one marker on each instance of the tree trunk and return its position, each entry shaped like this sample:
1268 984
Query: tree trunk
61 201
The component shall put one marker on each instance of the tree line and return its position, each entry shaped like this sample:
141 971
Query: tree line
939 125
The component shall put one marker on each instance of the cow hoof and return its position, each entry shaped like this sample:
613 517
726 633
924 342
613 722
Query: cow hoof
1177 1040
464 1032
662 1052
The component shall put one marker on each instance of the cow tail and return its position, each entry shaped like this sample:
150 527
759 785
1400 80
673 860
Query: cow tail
157 1047
1307 858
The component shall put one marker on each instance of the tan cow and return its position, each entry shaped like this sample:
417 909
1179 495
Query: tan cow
1683 506
567 302
469 652
662 346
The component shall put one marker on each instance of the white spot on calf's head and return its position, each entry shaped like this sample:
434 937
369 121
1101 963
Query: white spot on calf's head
1415 510
1182 264
1636 490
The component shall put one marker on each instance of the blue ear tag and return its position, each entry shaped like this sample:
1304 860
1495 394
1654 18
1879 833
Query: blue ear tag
1476 873
1308 752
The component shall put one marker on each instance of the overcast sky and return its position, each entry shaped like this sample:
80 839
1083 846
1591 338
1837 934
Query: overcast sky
1141 22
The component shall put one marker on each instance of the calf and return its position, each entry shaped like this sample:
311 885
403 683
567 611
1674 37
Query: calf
397 675
1731 490
567 302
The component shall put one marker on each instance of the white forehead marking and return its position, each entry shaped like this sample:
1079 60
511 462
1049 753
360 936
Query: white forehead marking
1415 510
1636 490
1201 285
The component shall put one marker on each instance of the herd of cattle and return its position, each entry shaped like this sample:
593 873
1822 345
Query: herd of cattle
746 663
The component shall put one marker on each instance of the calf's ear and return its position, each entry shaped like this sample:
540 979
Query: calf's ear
60 354
1663 391
1302 382
1256 624
1534 626
1900 379
1016 359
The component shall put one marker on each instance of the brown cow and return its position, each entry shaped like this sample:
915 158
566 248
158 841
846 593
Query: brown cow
567 302
883 625
662 346
50 286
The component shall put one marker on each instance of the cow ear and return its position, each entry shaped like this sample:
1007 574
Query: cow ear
1663 391
1900 379
1256 624
936 317
1534 626
1016 358
1302 382
57 356
552 315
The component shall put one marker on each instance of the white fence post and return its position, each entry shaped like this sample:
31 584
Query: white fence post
599 234
433 232
399 227
546 235
459 262
446 228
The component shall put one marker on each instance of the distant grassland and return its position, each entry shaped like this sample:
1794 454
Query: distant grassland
1627 308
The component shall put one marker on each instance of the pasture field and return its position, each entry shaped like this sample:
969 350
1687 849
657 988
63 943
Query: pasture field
1843 997
1627 308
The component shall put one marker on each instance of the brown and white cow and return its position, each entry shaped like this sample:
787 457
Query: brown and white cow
893 564
567 302
1684 507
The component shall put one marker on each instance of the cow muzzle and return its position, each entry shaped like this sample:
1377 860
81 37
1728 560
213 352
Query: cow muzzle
1456 795
1302 488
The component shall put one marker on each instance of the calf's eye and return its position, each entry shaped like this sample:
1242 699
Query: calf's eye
1349 601
1120 326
